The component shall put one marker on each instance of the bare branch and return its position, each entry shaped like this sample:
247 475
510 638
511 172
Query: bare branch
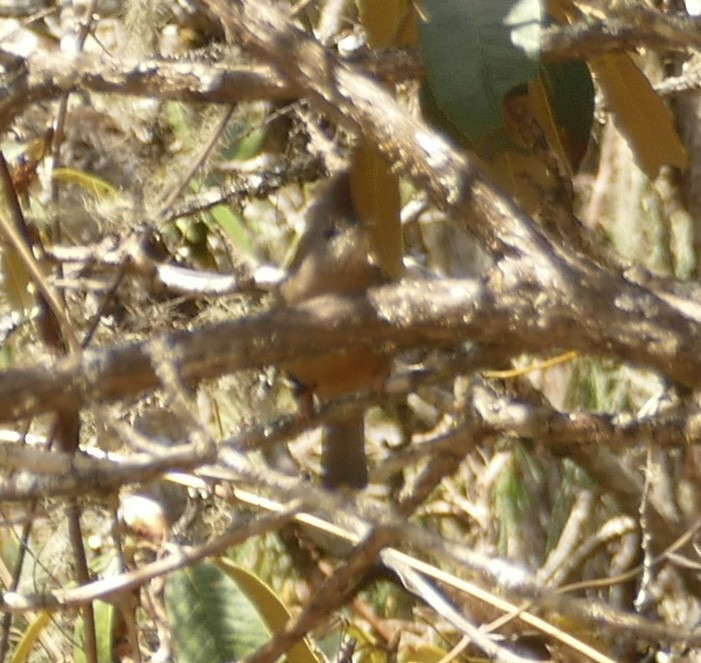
47 76
440 313
621 30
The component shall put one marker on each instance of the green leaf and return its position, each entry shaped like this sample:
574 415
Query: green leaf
475 52
105 615
212 618
572 93
566 110
269 605
230 222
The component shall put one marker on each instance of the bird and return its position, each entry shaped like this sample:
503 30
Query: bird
336 256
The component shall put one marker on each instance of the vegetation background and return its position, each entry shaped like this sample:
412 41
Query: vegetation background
533 459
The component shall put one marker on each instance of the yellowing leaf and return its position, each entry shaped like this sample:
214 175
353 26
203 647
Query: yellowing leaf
374 188
421 653
16 280
91 183
388 22
30 637
542 110
375 193
640 114
562 10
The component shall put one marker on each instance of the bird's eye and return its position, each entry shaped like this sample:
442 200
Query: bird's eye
330 232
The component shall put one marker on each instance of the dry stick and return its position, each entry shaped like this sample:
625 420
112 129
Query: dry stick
16 235
68 421
494 571
106 300
170 197
53 309
335 590
331 595
47 76
433 314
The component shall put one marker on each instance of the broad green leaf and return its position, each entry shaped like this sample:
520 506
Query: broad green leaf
475 52
269 605
230 222
212 618
105 616
563 100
